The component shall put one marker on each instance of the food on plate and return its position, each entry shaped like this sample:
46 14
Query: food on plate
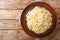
39 19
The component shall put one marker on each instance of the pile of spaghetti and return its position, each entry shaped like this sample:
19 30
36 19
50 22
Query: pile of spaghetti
39 20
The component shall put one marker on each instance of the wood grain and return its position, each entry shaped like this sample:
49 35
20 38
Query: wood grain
55 35
21 35
57 10
8 35
14 4
53 3
21 4
10 24
15 14
13 35
9 14
14 25
11 10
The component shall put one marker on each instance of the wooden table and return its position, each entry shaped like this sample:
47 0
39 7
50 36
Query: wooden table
10 11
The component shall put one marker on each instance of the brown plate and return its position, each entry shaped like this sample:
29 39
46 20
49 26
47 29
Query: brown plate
24 22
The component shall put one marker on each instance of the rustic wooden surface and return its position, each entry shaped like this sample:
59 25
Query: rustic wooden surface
10 11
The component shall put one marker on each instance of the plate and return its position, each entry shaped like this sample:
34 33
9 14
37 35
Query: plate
24 22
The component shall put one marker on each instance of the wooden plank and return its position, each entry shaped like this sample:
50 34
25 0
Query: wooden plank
15 14
58 26
21 4
53 36
53 3
21 35
57 10
10 24
8 35
14 4
13 35
10 14
14 24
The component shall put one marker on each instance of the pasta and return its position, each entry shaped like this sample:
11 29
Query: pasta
39 20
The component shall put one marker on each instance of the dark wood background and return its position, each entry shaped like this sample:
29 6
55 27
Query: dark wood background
10 28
